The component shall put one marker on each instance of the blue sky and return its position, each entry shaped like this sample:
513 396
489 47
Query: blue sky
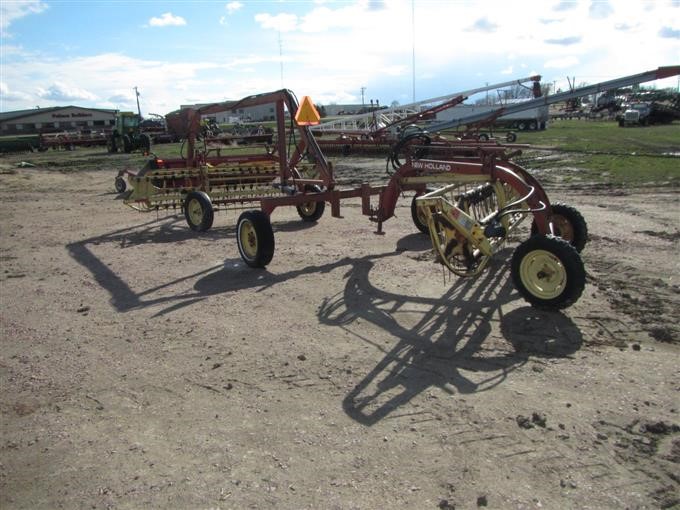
93 53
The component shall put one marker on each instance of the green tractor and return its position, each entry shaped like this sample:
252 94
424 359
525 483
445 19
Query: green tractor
127 135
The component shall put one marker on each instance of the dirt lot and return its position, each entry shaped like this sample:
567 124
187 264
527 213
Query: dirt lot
144 366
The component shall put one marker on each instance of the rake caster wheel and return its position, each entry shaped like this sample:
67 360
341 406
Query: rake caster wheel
255 238
119 184
511 137
569 224
419 220
548 272
311 211
198 211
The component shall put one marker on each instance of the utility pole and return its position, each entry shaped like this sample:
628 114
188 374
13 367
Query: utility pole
139 111
363 89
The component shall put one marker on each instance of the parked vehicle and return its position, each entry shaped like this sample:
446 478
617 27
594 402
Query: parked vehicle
127 135
647 113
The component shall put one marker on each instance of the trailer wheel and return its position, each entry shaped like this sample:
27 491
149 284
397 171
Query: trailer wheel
419 220
255 238
511 137
569 225
483 137
119 184
198 211
548 272
311 211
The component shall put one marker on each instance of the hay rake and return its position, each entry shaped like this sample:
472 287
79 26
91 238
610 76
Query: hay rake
468 196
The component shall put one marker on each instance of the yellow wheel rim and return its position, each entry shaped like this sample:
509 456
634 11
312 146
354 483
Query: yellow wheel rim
308 208
195 211
248 239
543 274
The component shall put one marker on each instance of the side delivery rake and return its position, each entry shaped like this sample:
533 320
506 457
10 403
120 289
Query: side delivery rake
469 197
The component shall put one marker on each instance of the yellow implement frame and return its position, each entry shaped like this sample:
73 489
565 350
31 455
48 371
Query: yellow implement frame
461 236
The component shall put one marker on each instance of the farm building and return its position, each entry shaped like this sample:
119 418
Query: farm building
57 118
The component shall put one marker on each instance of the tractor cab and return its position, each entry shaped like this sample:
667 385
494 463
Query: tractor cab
127 135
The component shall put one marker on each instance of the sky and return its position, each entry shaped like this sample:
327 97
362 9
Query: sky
94 53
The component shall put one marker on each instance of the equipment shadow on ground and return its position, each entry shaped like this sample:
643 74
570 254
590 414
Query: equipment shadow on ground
436 351
450 338
230 276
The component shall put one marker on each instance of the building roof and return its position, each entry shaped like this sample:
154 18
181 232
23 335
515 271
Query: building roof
18 114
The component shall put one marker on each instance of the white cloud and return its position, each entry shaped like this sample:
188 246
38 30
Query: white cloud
11 11
483 25
282 22
167 19
232 7
600 9
107 80
565 5
669 33
11 96
561 63
63 92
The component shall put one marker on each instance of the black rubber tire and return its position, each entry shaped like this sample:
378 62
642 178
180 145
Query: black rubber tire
256 227
145 143
511 137
126 144
530 260
198 211
577 224
483 137
417 220
119 184
306 213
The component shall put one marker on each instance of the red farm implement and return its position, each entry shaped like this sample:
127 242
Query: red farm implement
467 196
69 140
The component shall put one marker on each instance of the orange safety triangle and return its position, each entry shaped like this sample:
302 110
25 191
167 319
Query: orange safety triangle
307 115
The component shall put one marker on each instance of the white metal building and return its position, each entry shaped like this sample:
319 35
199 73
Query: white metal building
54 119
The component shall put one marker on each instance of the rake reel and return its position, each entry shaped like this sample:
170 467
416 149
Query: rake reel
468 226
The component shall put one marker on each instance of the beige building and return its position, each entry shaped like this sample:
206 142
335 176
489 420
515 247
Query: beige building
55 119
